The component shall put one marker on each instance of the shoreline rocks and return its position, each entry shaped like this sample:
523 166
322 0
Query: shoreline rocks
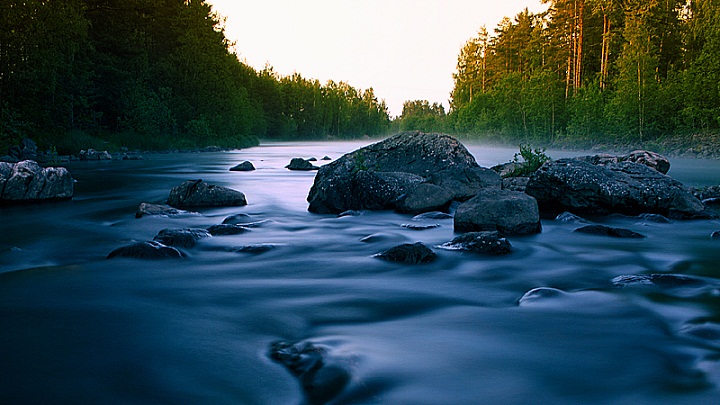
627 188
27 181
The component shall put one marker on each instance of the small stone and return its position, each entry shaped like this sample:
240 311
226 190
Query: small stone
408 253
245 166
609 231
226 229
146 250
480 242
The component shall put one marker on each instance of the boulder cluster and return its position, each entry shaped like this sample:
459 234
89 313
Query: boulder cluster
27 181
415 173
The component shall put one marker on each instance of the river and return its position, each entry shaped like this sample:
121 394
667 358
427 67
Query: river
76 327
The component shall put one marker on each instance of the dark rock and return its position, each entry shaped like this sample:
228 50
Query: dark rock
338 183
92 154
625 188
515 183
237 219
132 156
508 170
146 250
197 193
466 182
184 238
312 159
369 191
571 218
27 181
321 380
706 193
408 253
509 212
656 218
424 197
659 280
157 210
245 166
609 231
300 164
480 242
417 227
646 158
433 216
326 158
227 229
715 235
650 159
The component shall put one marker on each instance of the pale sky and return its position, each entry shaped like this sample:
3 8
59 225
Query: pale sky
403 49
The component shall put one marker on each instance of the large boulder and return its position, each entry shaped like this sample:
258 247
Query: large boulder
505 211
424 197
627 188
27 181
466 182
336 190
197 193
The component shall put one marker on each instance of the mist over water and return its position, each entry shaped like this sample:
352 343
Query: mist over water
566 318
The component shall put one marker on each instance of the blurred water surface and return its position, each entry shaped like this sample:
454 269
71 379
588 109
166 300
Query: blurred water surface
566 318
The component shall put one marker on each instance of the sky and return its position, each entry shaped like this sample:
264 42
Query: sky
403 49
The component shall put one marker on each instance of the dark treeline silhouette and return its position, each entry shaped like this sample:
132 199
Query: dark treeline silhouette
154 74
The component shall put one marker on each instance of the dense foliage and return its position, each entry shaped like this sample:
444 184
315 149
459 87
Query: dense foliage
593 71
154 74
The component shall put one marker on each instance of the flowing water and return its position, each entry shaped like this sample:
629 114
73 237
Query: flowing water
566 318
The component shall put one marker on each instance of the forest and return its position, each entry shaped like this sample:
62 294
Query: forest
160 74
593 71
155 75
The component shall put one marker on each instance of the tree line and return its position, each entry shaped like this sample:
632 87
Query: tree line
618 71
155 74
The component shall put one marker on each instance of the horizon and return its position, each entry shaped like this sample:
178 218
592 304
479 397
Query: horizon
390 49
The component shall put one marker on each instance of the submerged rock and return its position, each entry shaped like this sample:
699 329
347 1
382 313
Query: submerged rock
571 218
227 229
509 212
27 181
184 238
419 227
433 216
321 378
347 183
146 250
609 231
92 154
625 188
245 166
480 242
157 210
197 193
408 253
301 164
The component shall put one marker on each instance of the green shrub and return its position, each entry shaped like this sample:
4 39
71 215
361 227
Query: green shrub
532 159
